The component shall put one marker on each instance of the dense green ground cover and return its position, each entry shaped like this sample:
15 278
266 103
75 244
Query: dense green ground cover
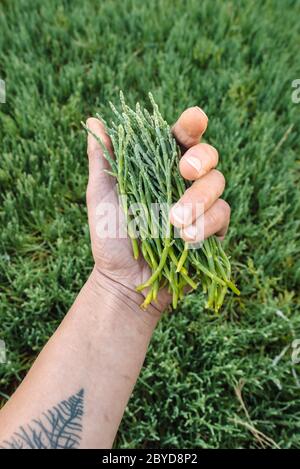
208 381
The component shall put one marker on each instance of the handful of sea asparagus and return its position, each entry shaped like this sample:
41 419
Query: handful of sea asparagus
146 168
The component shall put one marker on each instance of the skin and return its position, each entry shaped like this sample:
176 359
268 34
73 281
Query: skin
99 348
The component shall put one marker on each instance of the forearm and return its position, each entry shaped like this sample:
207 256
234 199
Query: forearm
95 356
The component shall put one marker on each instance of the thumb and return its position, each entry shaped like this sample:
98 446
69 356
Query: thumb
100 183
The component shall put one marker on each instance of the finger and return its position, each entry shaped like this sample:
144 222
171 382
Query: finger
198 160
100 183
94 149
190 127
214 221
198 198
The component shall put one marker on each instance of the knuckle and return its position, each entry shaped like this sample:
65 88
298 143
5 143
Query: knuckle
211 218
218 216
225 207
204 199
188 196
213 153
220 178
199 195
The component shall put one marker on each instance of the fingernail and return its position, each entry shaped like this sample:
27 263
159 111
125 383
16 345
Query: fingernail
182 213
195 163
190 232
92 143
203 113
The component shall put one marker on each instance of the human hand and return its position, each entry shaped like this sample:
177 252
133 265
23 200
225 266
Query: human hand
113 255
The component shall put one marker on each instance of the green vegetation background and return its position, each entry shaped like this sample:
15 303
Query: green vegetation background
62 61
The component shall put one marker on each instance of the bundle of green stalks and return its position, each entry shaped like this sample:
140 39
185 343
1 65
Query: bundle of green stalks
146 168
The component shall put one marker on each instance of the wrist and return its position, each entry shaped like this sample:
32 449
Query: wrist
124 301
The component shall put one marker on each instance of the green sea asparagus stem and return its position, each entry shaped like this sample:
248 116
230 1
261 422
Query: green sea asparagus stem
183 258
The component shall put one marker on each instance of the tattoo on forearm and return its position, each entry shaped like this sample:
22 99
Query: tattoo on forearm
58 428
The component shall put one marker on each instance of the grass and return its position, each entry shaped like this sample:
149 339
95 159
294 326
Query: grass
208 381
